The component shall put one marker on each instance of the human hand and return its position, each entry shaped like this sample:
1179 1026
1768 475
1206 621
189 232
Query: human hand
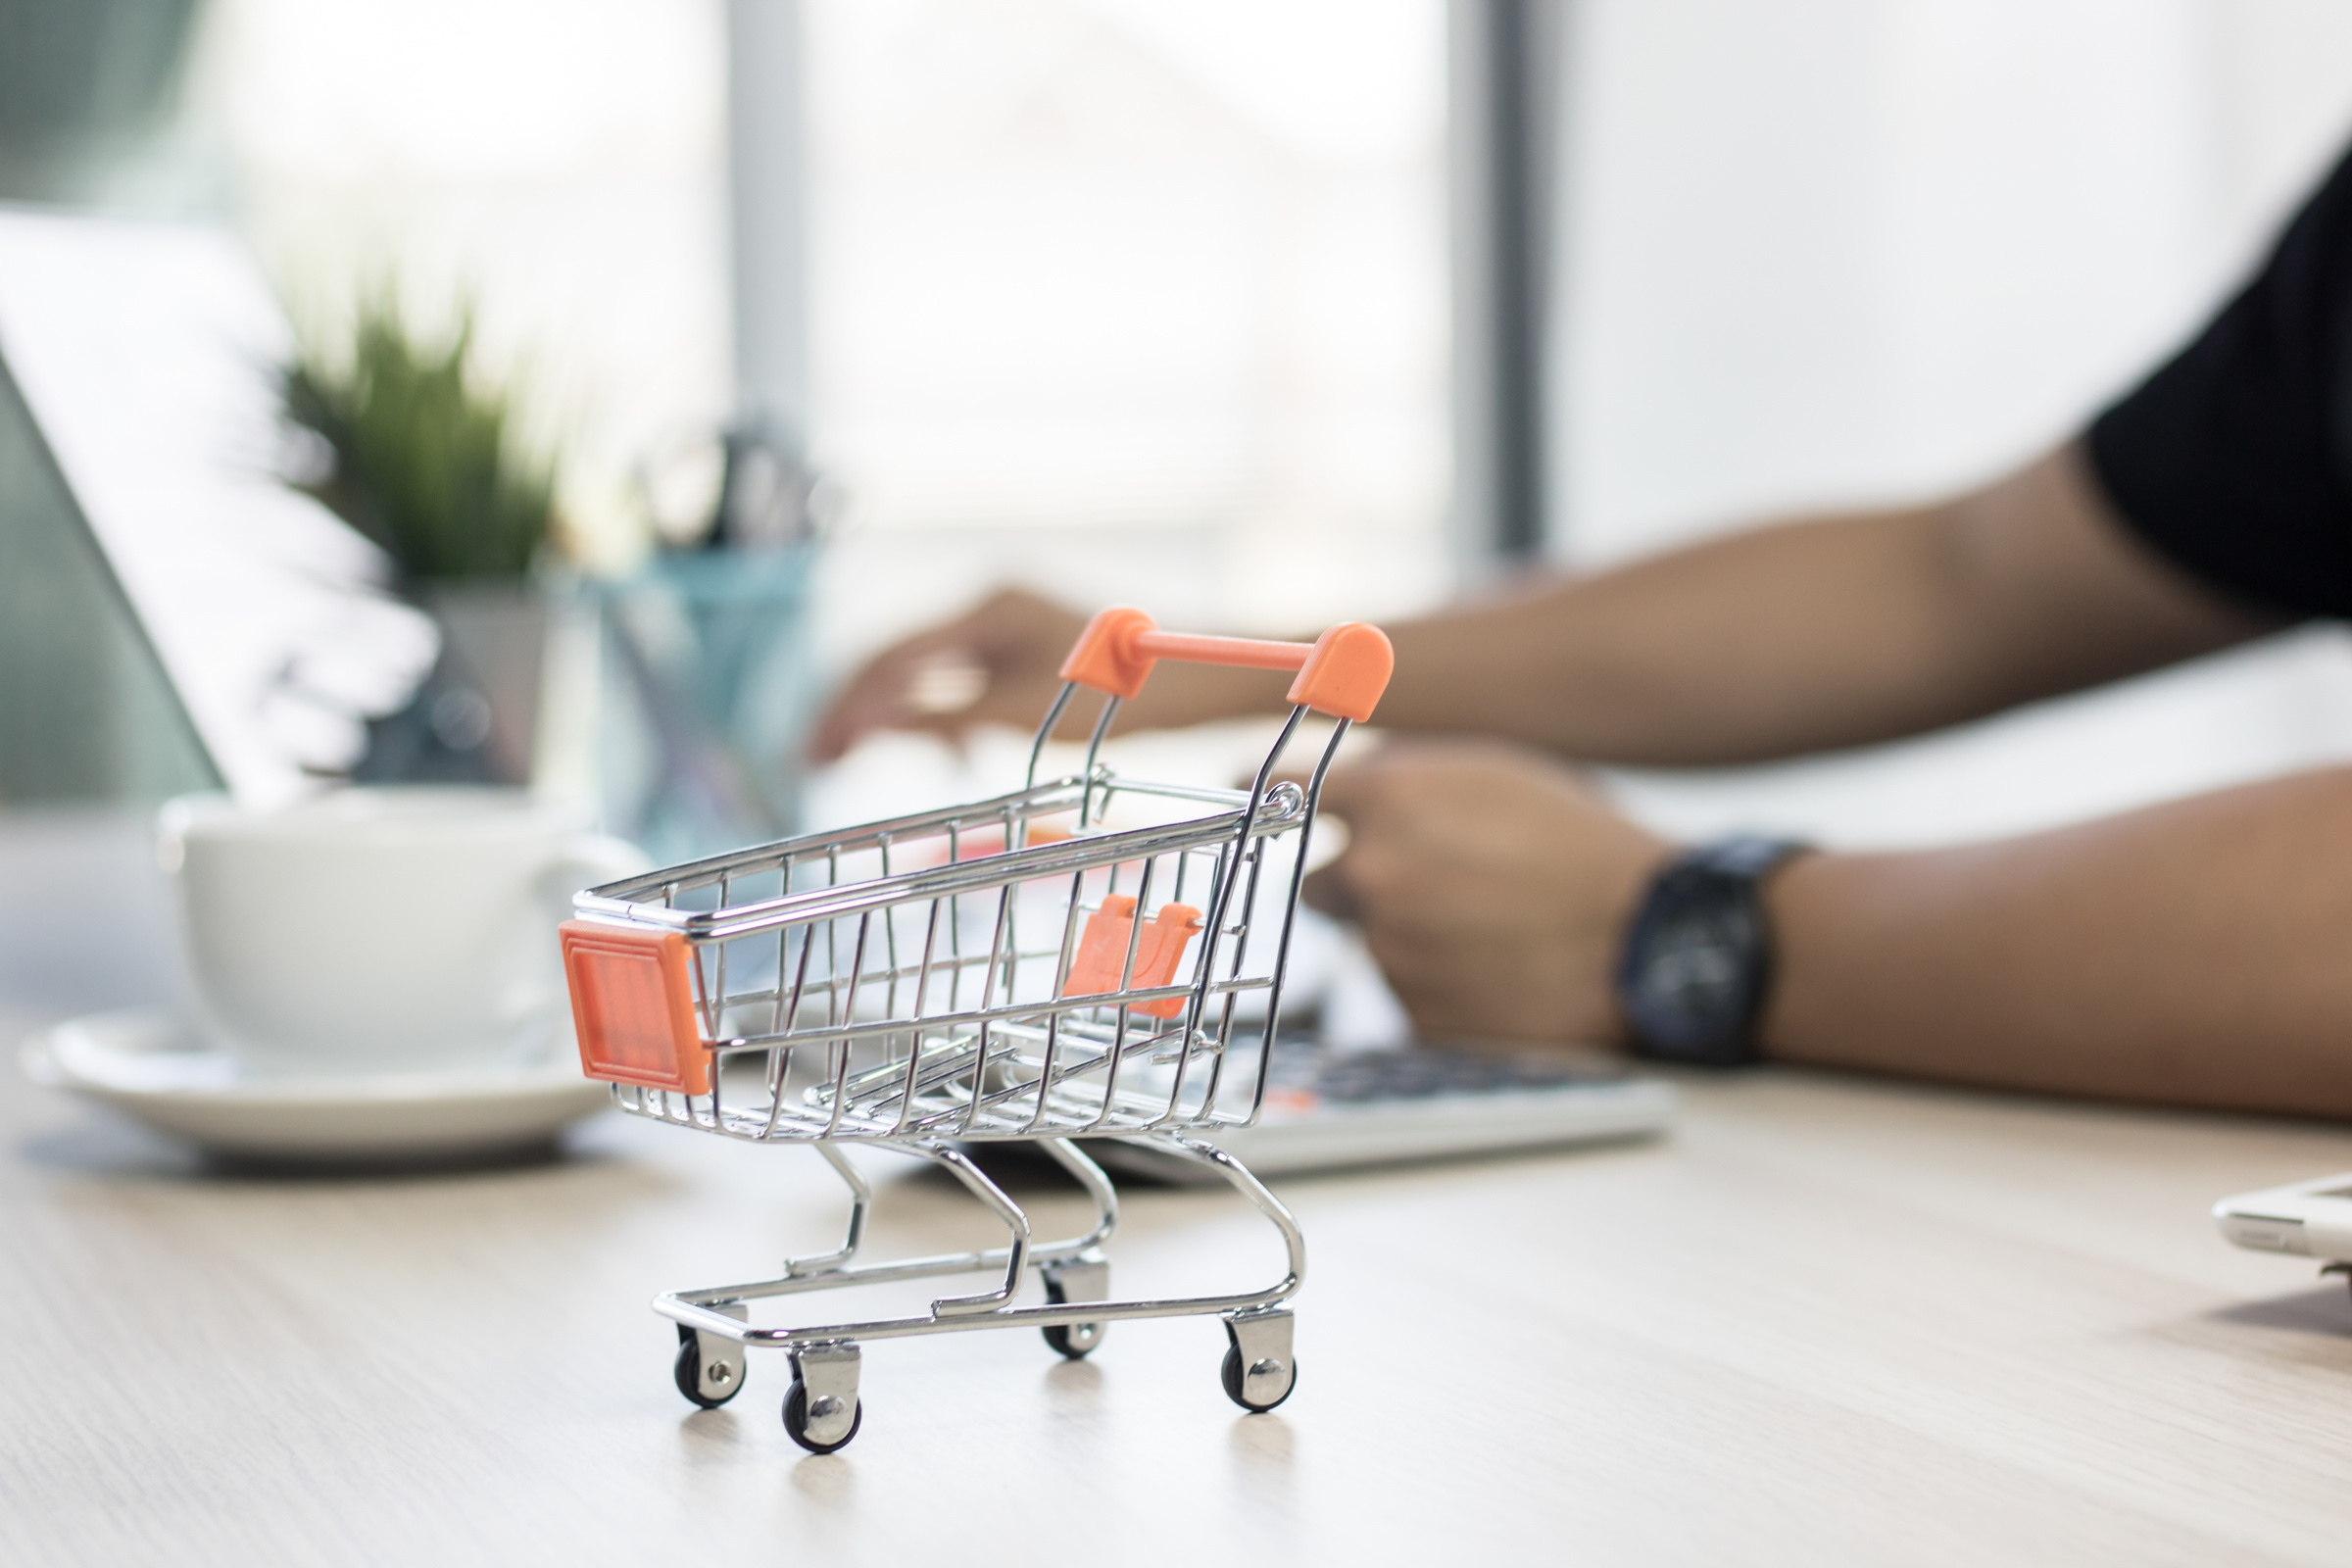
1494 887
999 662
995 663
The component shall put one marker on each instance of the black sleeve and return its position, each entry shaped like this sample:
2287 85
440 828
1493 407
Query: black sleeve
2234 460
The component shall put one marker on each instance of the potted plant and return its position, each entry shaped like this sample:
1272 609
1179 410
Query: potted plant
418 454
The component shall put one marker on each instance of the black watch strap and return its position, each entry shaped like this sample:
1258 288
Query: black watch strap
1697 959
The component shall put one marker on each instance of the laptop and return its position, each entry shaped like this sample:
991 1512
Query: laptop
242 635
1335 1108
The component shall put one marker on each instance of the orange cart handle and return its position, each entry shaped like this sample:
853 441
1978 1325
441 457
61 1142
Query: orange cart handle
1342 672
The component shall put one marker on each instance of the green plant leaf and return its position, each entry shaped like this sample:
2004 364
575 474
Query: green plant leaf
425 462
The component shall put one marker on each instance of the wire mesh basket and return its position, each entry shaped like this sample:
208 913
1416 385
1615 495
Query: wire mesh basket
1086 957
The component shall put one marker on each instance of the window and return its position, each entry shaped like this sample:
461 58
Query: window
1134 299
1137 299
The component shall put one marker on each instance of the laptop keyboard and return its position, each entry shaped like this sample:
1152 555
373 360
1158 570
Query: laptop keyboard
1336 1109
1303 1076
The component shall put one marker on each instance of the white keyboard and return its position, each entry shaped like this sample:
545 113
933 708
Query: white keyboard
1329 1110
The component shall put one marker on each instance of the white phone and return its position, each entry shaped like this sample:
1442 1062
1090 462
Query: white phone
2311 1219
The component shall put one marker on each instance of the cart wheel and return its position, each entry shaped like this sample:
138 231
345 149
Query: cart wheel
688 1370
1233 1375
796 1420
1072 1340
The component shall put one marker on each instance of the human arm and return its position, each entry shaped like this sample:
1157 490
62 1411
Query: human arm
1820 633
2191 953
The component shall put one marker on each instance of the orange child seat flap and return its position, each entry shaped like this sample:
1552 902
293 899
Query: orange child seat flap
1102 952
633 1006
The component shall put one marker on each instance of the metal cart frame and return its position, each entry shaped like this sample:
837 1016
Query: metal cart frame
818 990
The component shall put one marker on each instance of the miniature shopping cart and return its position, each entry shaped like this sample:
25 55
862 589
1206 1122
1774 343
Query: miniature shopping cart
1090 957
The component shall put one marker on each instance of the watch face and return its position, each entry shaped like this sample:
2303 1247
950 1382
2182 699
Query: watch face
1697 961
1692 984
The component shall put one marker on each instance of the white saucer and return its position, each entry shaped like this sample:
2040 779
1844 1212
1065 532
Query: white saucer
151 1066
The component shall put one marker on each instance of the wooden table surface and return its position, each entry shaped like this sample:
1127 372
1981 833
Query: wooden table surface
1826 1321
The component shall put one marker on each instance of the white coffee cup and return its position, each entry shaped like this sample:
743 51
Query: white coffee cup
381 930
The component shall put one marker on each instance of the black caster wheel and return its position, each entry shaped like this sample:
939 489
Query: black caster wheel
796 1420
1233 1373
1076 1340
688 1370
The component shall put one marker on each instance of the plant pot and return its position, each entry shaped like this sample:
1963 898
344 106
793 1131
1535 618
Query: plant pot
475 720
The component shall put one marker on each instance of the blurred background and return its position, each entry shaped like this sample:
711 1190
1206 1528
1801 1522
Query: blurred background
779 327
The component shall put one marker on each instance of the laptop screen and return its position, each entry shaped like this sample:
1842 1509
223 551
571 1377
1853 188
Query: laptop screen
86 711
159 543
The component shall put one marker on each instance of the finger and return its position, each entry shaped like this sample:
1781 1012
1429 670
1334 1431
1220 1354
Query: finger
1441 998
876 697
1349 802
1330 892
1351 791
952 728
849 719
855 714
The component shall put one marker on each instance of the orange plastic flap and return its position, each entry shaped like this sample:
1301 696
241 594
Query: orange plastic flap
1105 657
633 1006
1347 671
1102 952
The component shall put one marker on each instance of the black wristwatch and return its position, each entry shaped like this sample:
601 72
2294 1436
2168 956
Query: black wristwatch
1697 959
